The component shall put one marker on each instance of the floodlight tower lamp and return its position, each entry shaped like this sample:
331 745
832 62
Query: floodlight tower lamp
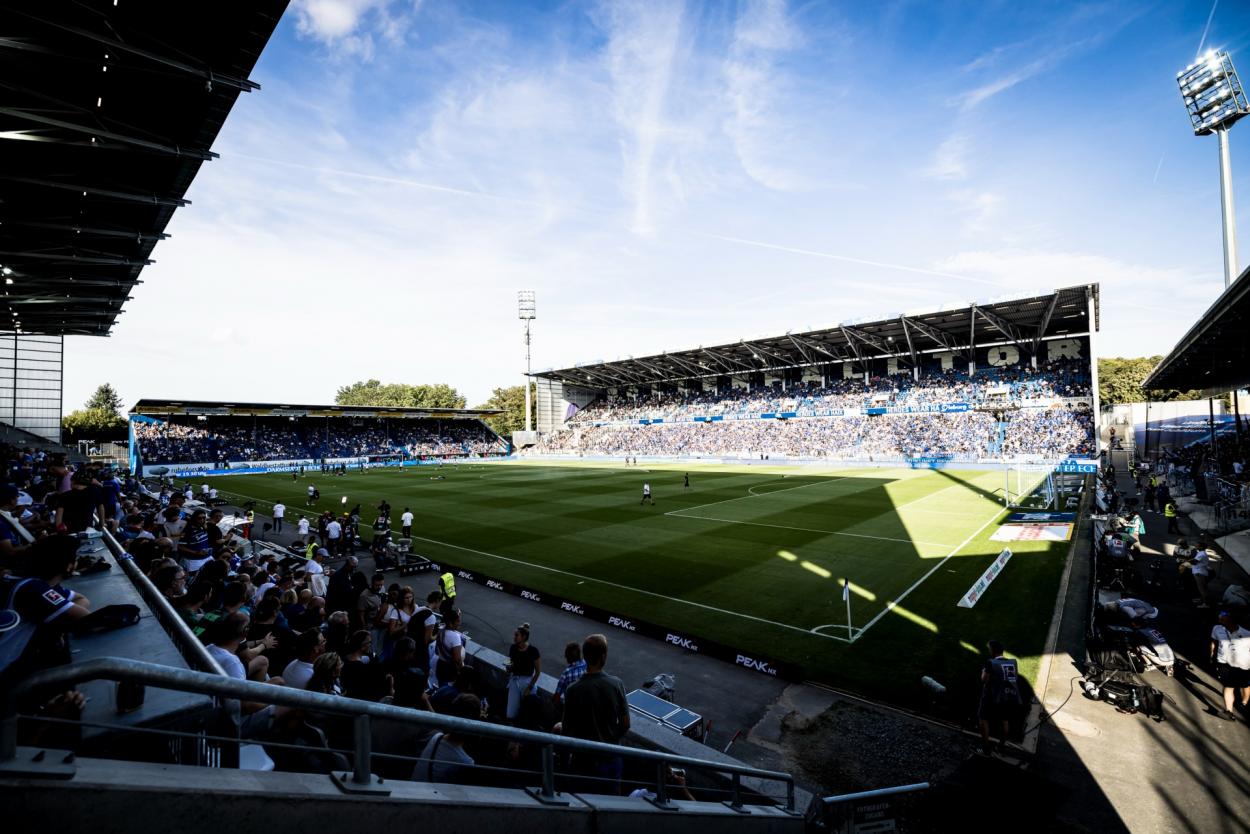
1215 101
526 312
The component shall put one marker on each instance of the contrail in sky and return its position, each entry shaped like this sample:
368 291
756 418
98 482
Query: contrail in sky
1206 29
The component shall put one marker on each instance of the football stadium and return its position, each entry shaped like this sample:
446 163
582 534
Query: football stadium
854 577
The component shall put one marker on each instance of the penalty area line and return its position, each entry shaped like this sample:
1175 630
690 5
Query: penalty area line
611 584
889 606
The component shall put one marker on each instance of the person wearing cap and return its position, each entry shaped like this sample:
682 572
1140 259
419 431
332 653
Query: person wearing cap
15 540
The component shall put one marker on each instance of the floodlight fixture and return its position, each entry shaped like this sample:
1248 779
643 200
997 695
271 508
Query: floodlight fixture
525 305
1215 100
526 312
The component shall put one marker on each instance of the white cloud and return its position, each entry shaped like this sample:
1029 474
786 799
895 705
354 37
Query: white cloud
762 131
950 160
349 26
1144 309
979 208
644 40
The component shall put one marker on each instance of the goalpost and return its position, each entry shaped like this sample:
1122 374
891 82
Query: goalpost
1030 485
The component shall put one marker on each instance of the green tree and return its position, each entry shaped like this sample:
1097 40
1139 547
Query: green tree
93 424
1120 381
107 399
399 395
512 402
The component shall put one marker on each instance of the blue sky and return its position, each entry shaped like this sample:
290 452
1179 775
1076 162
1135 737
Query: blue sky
668 174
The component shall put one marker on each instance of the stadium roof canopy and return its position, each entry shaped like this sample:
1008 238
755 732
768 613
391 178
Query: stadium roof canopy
1214 356
1025 322
109 109
197 408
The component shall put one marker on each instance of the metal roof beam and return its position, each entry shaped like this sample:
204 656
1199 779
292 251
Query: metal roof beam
91 230
940 336
108 134
852 343
1041 328
690 368
911 348
244 84
1007 328
869 339
130 196
94 260
758 348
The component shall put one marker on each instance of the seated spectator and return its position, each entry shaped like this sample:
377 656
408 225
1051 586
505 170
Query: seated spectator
309 646
444 759
47 609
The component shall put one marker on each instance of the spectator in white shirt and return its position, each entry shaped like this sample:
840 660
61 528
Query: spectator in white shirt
309 646
279 510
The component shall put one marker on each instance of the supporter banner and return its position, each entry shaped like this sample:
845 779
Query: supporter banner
1033 533
982 585
684 640
1041 518
1085 466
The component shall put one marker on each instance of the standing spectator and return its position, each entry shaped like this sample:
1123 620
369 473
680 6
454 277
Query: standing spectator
1000 696
595 709
1199 566
194 549
524 667
405 523
334 535
302 528
572 672
372 606
79 508
279 511
339 596
398 617
449 649
447 584
1230 652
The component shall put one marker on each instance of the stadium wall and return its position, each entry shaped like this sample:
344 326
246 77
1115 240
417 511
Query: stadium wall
31 377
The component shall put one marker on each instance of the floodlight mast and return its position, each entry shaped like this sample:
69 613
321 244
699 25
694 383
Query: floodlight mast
1215 100
526 312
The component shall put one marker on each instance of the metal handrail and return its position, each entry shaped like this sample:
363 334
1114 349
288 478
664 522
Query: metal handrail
188 644
851 797
186 680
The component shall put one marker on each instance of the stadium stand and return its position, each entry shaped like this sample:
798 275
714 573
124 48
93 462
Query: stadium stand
208 435
224 439
243 628
912 386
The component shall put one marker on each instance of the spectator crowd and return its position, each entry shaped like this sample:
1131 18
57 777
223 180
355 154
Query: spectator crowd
220 439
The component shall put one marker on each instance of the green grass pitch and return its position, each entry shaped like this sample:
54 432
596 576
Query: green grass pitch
748 556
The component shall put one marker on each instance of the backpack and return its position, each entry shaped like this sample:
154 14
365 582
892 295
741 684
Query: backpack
15 633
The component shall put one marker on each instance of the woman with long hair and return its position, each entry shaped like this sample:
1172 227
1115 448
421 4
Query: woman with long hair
449 649
398 616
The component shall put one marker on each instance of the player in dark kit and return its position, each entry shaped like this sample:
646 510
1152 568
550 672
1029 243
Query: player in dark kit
686 481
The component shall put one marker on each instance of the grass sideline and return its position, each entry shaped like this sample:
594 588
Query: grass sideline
749 556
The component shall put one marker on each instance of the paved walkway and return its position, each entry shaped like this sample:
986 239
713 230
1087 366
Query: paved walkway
1190 773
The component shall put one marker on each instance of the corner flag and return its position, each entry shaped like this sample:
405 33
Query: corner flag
846 590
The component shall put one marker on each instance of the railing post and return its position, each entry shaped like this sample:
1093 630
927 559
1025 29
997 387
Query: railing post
361 779
549 771
790 795
8 736
364 751
546 794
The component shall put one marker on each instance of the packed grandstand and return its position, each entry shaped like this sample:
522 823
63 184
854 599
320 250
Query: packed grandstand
998 412
215 440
